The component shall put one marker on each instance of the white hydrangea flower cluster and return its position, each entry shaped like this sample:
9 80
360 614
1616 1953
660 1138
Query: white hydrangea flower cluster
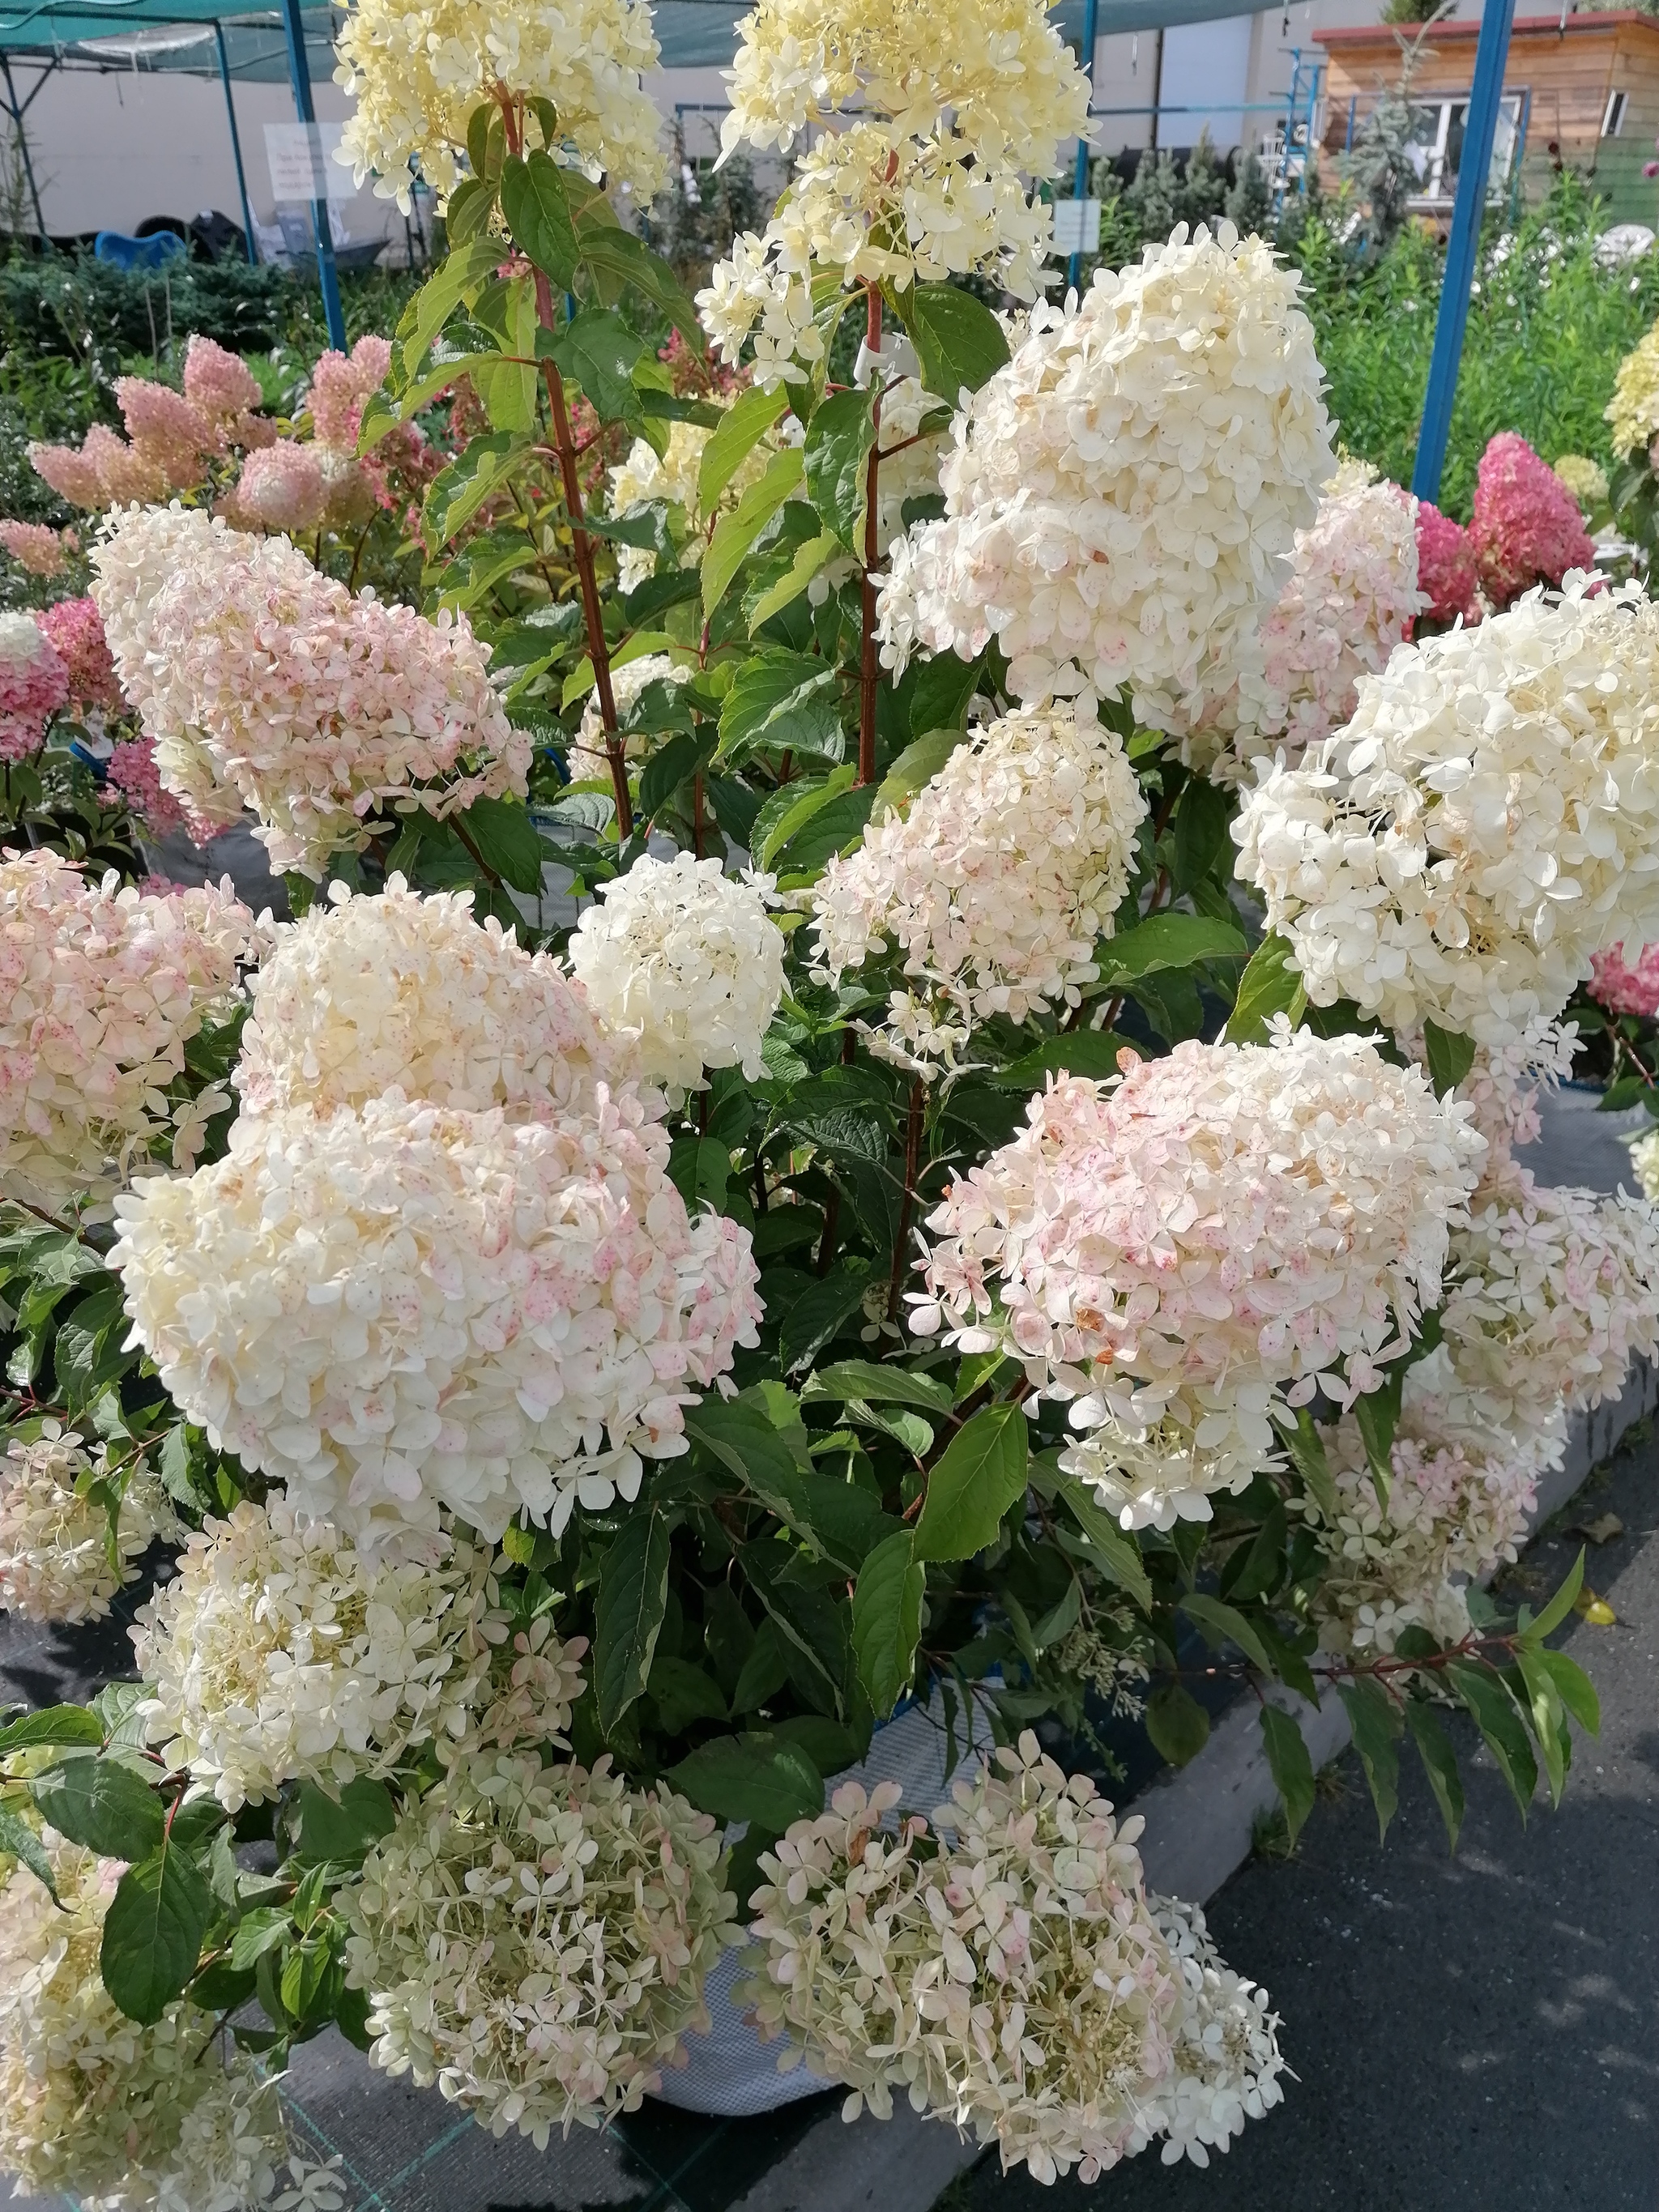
54 1538
410 991
419 73
891 191
1505 1082
101 989
1217 1235
1351 598
277 1652
1549 1292
588 761
1121 492
647 474
1644 1162
999 881
685 963
1015 1979
1457 1508
1487 821
537 1939
128 2118
409 1308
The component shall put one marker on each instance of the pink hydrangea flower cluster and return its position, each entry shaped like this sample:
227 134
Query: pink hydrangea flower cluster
132 771
42 551
283 487
33 685
1623 989
316 708
1219 1234
218 383
74 630
340 387
100 989
172 435
1351 597
1527 526
1447 574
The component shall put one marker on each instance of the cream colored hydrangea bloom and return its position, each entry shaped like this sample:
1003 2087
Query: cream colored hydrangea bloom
54 1538
126 2118
406 990
999 883
1123 491
1486 823
418 69
1633 410
536 1940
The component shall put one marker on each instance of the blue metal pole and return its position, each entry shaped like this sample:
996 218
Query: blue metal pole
236 145
1480 130
1080 185
300 70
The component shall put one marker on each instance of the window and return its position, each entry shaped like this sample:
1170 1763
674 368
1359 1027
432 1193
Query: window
1613 121
1436 146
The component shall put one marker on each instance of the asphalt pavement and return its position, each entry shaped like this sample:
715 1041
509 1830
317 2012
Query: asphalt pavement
1469 2031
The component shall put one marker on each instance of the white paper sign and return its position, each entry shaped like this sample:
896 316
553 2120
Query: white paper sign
1077 225
302 163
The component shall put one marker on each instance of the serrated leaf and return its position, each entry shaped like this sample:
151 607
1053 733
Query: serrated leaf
1201 838
1075 1052
1307 1449
625 262
736 532
973 1483
830 829
633 1598
887 1620
1224 1623
742 426
959 342
817 1314
917 765
101 1803
1177 1724
809 557
1439 1764
64 1725
153 1931
597 351
782 699
1487 1696
1451 1056
1269 985
1377 1722
537 211
1115 1550
342 1830
836 458
1574 1688
1289 1766
465 268
880 1385
19 1841
507 840
1163 941
765 1779
457 493
1559 1606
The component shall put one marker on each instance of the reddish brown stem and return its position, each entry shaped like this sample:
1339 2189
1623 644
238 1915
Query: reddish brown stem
867 663
581 547
912 1170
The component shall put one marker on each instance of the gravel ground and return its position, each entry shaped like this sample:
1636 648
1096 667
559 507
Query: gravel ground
1469 2031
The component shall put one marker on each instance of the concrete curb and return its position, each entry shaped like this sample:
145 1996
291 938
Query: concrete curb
1200 1827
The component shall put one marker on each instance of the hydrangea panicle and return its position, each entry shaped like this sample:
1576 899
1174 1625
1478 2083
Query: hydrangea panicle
1527 527
564 1305
536 1939
1001 879
75 631
685 962
1208 1240
55 1537
33 684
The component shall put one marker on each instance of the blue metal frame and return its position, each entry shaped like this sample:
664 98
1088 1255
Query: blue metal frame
236 145
1474 168
300 70
1080 184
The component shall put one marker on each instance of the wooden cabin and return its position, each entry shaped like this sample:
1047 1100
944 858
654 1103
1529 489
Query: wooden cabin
1580 92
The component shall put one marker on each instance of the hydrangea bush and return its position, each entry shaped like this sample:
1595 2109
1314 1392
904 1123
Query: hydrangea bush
907 1234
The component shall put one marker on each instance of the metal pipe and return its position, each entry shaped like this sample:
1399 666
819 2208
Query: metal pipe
299 69
1479 131
23 148
1080 184
236 144
1157 89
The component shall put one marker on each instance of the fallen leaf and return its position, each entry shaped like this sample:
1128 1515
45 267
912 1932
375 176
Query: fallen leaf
1601 1530
1595 1610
